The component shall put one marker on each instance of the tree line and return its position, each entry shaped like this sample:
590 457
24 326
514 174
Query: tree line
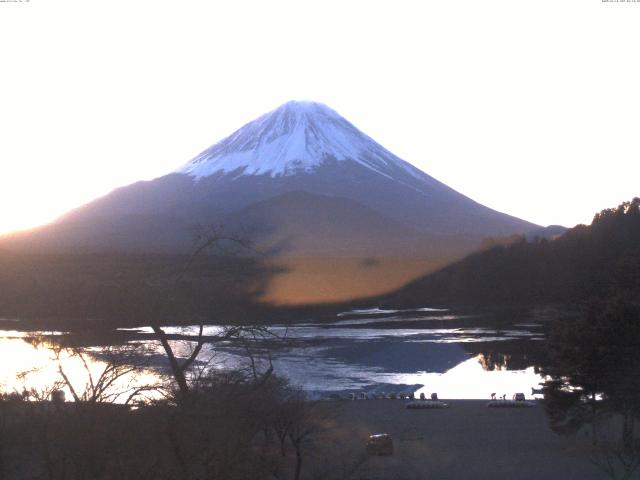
584 263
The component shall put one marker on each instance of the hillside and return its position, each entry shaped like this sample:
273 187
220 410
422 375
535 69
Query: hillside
586 262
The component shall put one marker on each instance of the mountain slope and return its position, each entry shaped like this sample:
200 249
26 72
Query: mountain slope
337 226
307 146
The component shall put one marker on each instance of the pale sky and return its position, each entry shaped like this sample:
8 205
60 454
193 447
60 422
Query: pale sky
529 107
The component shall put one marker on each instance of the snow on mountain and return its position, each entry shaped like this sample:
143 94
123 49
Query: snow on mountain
294 138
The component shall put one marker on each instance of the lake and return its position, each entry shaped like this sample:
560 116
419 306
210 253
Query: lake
465 356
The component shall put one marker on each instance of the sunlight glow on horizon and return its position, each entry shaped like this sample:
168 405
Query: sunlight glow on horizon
527 109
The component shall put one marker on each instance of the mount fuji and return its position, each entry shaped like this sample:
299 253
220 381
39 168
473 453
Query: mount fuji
301 182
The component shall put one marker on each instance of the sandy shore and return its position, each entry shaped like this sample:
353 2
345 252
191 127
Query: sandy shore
465 441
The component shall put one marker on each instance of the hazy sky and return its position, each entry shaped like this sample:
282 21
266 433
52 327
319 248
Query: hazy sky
529 107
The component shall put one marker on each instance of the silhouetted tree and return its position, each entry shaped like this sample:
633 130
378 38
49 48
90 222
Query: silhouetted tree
593 366
206 241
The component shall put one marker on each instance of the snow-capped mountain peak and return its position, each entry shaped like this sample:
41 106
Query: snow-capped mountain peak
297 137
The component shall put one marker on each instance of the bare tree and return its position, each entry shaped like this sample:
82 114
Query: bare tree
116 377
302 428
292 417
617 461
206 241
618 457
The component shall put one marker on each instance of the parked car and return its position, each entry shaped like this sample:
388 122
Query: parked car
379 444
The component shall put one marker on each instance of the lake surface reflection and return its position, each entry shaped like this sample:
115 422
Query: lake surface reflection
374 351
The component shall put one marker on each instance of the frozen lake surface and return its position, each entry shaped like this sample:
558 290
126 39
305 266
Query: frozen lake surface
369 350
